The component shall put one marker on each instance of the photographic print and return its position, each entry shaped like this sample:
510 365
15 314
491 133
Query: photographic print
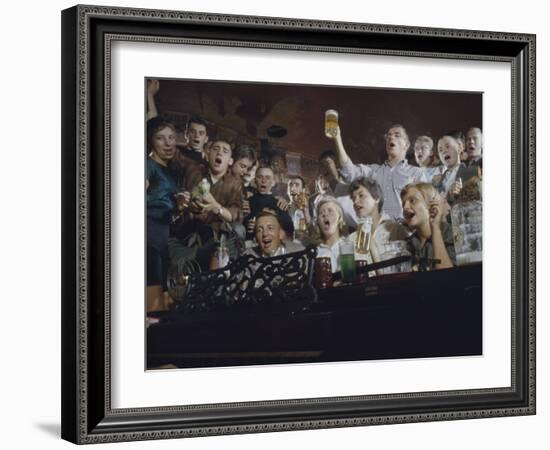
301 214
292 223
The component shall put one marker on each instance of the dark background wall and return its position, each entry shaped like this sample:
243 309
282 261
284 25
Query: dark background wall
243 112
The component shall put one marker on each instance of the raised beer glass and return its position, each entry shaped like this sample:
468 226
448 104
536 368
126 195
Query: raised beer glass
331 123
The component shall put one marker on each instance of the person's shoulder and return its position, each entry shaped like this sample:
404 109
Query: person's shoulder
341 189
438 169
292 247
418 174
361 165
387 221
154 168
371 166
191 166
193 155
394 227
232 181
263 198
415 169
466 172
151 164
252 251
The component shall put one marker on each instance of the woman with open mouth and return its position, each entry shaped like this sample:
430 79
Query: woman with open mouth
376 230
424 211
332 230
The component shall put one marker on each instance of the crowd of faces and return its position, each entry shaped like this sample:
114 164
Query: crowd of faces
418 202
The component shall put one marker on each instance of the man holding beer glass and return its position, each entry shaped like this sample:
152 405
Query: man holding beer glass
392 176
298 207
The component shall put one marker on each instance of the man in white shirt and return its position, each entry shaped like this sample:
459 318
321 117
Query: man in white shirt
392 176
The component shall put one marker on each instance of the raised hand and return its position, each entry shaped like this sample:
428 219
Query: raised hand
435 208
153 86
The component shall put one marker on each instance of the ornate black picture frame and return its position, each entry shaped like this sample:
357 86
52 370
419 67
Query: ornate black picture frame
87 412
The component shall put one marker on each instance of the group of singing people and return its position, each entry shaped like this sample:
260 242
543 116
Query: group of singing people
209 202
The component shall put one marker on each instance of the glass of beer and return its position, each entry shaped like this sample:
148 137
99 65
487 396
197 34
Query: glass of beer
347 261
331 123
363 236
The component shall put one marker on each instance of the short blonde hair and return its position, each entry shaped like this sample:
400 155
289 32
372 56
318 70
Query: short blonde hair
342 227
266 212
427 190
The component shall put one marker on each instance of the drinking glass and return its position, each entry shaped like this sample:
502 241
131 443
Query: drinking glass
331 123
347 261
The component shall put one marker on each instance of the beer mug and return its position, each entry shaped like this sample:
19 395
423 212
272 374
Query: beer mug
331 123
363 236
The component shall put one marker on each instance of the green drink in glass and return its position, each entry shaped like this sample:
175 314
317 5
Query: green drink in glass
347 261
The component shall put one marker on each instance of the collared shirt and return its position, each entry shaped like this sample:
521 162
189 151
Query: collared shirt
432 171
415 247
391 179
448 178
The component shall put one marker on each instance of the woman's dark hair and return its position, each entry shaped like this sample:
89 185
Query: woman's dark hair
370 185
154 125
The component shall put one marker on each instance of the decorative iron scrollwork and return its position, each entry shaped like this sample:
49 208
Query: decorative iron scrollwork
250 280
